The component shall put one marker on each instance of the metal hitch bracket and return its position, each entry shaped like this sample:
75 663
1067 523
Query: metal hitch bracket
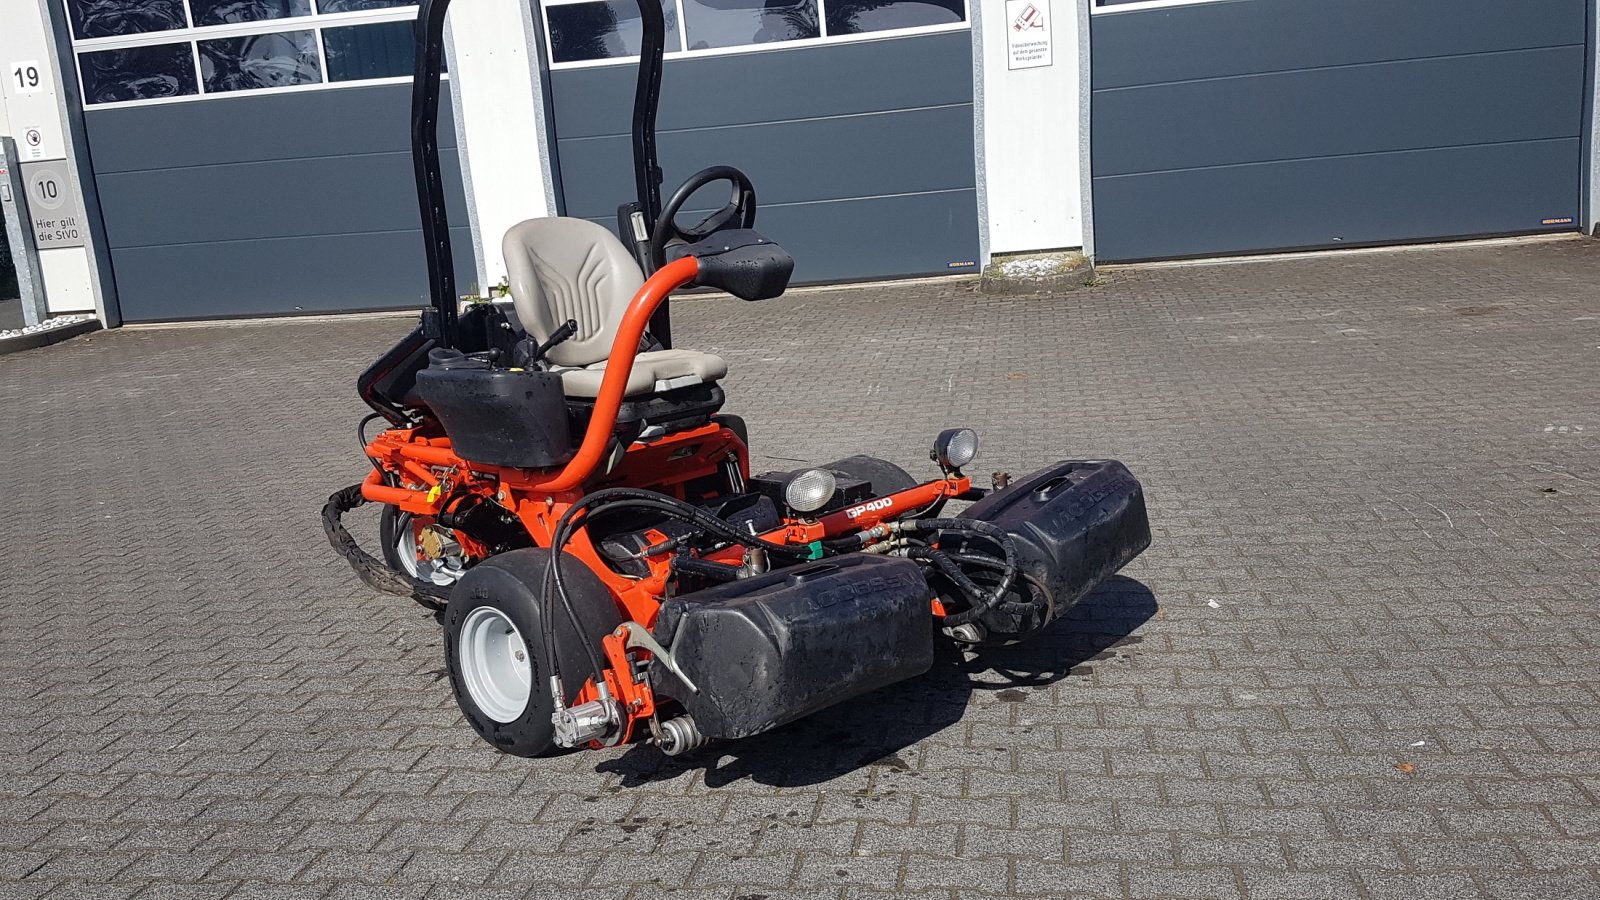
635 635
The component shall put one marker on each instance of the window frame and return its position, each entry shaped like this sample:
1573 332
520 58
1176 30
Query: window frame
192 34
824 39
1101 8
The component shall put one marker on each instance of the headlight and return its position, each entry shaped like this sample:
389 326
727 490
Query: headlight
809 490
955 447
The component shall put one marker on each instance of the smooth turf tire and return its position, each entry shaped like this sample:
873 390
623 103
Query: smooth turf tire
885 477
507 590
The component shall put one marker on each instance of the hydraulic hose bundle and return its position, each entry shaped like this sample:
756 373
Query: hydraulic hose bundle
369 568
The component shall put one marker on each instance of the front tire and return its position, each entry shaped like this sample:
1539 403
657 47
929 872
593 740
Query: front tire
495 649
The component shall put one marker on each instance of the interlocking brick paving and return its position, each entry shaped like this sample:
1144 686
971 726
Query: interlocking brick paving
1359 660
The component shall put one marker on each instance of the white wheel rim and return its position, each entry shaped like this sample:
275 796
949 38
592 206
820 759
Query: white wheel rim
494 664
411 560
407 547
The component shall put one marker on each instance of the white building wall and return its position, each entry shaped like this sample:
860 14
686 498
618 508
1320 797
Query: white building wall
499 113
32 115
1030 148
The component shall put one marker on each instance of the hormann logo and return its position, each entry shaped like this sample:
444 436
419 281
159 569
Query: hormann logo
856 512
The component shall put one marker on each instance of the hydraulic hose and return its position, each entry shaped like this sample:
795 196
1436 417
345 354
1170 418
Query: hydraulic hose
989 562
372 570
983 601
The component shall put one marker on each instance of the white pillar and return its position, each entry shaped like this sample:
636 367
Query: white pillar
1030 152
498 94
34 113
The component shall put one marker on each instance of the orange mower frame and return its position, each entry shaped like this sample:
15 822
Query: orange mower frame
430 479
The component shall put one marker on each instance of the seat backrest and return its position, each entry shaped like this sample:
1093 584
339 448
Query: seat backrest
562 268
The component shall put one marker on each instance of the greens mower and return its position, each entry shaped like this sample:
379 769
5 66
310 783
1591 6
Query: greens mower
559 481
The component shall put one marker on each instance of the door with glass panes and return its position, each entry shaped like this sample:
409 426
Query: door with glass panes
251 156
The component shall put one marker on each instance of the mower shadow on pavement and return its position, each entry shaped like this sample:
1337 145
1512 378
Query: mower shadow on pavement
872 730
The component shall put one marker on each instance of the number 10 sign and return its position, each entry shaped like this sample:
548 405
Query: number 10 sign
53 205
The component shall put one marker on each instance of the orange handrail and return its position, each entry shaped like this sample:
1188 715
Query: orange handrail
618 367
376 491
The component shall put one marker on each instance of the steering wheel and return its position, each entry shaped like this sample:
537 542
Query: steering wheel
740 211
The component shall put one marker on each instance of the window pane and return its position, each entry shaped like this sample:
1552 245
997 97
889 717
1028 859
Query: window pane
104 18
138 73
337 6
370 51
858 16
224 12
603 30
260 61
732 23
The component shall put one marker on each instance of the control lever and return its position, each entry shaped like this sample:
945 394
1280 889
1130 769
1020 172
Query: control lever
565 332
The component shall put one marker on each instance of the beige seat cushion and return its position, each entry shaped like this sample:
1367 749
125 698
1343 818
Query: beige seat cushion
657 370
564 269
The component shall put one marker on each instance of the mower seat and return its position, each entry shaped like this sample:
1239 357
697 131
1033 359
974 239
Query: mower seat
564 268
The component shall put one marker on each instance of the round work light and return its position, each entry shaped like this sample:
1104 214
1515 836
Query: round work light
809 490
955 447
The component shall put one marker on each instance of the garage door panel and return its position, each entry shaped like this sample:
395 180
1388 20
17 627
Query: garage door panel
830 80
268 204
789 162
860 239
1452 192
1256 125
1377 107
282 198
290 275
351 120
861 152
1147 47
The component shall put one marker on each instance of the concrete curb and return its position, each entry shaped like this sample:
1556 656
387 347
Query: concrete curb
1033 273
47 337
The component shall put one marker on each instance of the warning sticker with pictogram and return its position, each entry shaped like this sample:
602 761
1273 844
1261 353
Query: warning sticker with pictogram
1027 34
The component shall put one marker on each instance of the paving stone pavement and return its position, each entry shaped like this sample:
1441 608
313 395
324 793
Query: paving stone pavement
11 317
1359 660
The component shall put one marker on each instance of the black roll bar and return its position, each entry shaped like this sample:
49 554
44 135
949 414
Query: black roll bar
425 161
646 98
429 37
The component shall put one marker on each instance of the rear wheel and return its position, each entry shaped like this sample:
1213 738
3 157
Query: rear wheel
885 477
399 532
495 650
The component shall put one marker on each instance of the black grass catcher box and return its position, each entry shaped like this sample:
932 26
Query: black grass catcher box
767 650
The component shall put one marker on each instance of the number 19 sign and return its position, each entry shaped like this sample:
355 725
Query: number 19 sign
26 77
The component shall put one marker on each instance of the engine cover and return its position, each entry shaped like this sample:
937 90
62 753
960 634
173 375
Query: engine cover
1075 524
767 650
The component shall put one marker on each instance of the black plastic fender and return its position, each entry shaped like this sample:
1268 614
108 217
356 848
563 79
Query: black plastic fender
1075 524
767 650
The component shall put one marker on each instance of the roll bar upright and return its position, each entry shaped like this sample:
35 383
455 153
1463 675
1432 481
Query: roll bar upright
635 219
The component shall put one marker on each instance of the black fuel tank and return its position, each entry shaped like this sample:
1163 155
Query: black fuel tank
767 650
1075 524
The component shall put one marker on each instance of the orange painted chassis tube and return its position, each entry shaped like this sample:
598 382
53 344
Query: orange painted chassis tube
619 365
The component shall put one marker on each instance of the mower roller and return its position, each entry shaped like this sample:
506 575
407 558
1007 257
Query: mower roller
560 484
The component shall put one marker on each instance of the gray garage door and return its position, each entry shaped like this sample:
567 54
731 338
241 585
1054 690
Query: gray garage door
1249 125
253 159
861 149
